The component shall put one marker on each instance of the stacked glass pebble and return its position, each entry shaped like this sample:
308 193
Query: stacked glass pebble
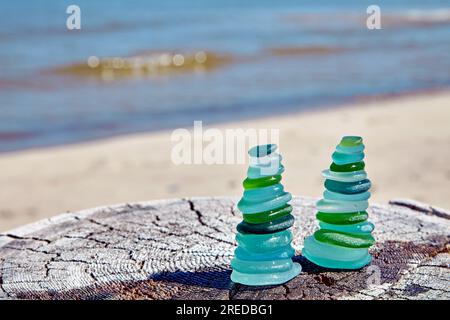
264 252
345 234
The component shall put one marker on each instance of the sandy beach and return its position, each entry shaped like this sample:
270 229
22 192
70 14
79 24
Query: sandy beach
407 140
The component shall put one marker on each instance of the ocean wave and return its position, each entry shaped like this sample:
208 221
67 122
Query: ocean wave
304 50
438 15
417 18
25 32
7 136
340 22
145 65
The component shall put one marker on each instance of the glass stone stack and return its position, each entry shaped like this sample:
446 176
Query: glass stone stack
264 253
345 234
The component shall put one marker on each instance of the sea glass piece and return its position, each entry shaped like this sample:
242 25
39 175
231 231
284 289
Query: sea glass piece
349 167
281 253
247 206
345 235
261 182
265 279
346 158
262 217
342 218
348 187
263 194
333 252
354 176
264 253
332 206
362 227
354 149
280 265
267 227
351 141
262 150
263 171
344 239
330 195
271 160
335 257
264 242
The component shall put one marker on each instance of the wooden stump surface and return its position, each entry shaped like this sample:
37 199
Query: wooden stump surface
181 249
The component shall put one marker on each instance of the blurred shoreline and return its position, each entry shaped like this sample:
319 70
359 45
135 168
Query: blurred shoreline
13 136
402 160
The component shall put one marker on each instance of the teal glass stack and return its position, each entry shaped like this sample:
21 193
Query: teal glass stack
264 253
345 234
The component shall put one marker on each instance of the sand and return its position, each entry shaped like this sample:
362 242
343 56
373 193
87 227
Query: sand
407 152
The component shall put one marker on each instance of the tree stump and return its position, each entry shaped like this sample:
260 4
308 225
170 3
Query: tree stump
181 249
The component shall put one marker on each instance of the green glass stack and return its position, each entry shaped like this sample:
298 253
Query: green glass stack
345 234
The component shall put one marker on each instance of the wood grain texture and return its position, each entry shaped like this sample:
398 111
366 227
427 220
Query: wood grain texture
181 249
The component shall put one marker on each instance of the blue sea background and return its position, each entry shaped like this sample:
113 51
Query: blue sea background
39 108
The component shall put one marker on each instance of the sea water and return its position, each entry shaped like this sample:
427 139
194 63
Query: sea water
283 56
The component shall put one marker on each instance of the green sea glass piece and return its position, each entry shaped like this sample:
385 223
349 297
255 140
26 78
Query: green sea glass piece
267 227
261 182
264 253
351 141
345 234
342 218
267 216
347 167
344 239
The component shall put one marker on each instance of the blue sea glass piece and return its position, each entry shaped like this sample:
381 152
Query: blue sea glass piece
336 206
262 150
260 172
264 242
356 149
357 228
345 158
266 279
348 187
335 257
266 255
283 252
265 166
330 195
264 194
249 207
263 266
271 160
